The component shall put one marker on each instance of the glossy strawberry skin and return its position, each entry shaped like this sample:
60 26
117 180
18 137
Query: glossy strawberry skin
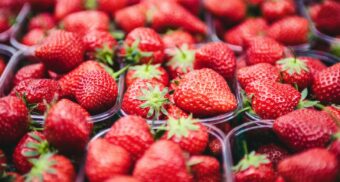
233 11
326 85
34 37
34 71
162 77
328 18
67 124
274 153
314 65
270 99
44 21
177 38
335 149
121 178
133 134
216 56
263 50
111 7
65 7
275 10
208 169
305 128
263 173
131 17
311 165
163 161
61 51
105 160
260 71
14 120
2 65
175 112
96 39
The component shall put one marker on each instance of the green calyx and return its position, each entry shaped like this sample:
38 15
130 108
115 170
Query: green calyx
293 65
91 4
37 148
335 49
251 160
44 164
105 55
132 53
23 97
304 102
182 57
154 99
181 127
146 71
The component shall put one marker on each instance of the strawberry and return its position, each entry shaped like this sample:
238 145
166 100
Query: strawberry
67 126
31 146
312 165
274 153
43 21
270 100
313 10
131 17
33 71
218 57
2 65
143 45
215 146
190 135
4 22
105 160
133 134
328 18
326 85
335 147
147 72
3 161
295 72
121 178
61 51
205 168
260 71
96 91
175 112
181 60
12 177
234 10
100 45
305 128
314 65
248 29
109 6
147 99
291 30
51 167
84 21
333 112
275 10
263 50
13 120
38 91
64 7
191 5
163 161
218 99
178 38
254 167
34 37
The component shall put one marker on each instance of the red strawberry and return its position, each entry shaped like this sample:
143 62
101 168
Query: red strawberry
2 65
176 112
218 99
328 18
84 21
314 65
105 160
270 100
33 71
64 7
61 167
44 21
36 91
4 22
3 161
163 161
147 99
313 10
191 5
31 146
132 133
234 10
34 37
13 120
61 51
260 71
110 6
305 128
335 147
205 168
67 126
147 72
218 57
143 45
313 165
263 50
131 17
96 91
215 146
275 10
274 152
178 38
291 30
248 29
190 135
333 112
181 60
254 167
295 72
121 178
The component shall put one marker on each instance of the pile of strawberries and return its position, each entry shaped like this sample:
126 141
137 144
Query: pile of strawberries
132 90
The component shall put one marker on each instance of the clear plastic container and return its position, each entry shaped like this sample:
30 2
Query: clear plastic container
326 58
15 63
254 133
212 130
5 36
6 52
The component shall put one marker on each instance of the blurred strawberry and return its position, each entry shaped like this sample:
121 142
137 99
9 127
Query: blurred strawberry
205 168
181 60
175 112
313 10
42 4
2 65
328 18
314 65
232 10
263 50
177 38
121 178
34 37
131 17
44 21
33 71
275 10
65 7
274 153
191 5
108 6
147 72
